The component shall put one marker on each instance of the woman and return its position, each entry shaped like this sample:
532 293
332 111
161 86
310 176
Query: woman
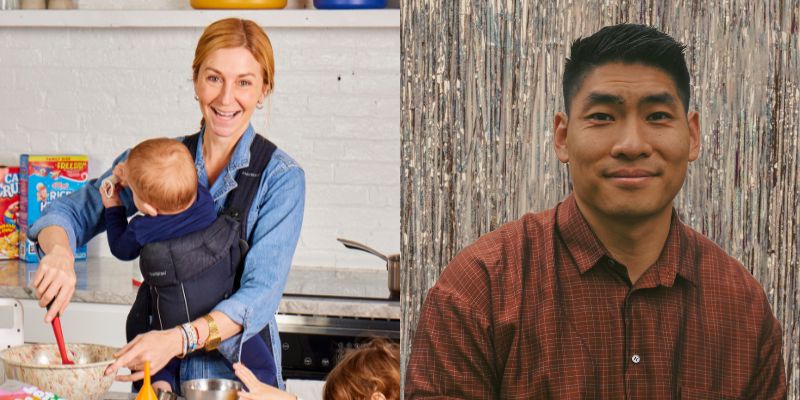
233 73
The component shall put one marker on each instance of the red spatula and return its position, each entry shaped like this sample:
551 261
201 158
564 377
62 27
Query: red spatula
62 348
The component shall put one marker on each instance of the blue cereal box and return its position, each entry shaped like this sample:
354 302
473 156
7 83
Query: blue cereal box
43 179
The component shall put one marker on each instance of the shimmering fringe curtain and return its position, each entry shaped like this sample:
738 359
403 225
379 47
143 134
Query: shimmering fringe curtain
481 82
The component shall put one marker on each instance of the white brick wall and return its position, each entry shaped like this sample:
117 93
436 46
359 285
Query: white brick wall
336 109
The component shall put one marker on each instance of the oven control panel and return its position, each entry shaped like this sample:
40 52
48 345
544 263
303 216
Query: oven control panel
307 356
313 345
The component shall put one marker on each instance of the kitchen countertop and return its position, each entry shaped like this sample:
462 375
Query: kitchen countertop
119 396
309 291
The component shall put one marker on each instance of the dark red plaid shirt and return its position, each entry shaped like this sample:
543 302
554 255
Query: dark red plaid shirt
538 309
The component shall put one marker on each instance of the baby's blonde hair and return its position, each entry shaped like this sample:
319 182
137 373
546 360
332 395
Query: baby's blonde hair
161 172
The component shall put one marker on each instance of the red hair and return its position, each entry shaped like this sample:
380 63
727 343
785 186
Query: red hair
161 172
374 367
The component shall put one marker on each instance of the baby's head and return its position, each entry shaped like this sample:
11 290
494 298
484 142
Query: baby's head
372 372
161 174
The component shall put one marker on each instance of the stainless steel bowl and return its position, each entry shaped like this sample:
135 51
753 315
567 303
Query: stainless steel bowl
210 389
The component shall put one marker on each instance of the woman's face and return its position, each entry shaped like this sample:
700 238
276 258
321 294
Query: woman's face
229 85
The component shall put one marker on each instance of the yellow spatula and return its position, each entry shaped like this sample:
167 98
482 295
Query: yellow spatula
146 392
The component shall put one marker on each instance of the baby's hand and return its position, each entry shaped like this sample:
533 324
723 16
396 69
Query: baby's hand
257 390
163 385
119 172
112 201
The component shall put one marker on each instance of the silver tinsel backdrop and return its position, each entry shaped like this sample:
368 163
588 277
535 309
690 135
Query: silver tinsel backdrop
481 81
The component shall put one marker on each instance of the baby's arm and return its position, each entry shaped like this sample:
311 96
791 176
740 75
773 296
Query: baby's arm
121 240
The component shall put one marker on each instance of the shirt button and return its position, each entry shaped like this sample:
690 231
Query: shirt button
636 359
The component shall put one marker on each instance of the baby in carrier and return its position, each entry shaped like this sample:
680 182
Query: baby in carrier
189 256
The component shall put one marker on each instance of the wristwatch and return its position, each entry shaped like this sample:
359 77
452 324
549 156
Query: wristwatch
213 340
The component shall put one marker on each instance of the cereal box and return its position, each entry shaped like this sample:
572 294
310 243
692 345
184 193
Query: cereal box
15 390
9 206
43 179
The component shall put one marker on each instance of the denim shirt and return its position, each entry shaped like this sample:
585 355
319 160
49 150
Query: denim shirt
273 229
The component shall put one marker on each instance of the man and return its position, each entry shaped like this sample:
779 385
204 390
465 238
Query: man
608 295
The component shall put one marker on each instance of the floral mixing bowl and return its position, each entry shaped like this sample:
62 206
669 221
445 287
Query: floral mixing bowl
40 365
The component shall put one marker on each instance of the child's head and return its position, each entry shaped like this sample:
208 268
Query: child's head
372 372
161 173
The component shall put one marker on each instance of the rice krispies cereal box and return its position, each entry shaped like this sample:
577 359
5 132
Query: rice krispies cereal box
9 207
43 179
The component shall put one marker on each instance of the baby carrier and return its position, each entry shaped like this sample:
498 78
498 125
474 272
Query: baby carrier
185 277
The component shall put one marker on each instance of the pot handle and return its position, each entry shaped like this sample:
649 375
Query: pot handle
358 246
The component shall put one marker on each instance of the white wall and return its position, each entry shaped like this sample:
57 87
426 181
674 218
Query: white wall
336 109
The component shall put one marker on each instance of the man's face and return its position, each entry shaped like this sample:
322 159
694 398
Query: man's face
628 141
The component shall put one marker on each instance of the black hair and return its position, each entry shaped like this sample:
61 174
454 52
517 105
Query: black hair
629 44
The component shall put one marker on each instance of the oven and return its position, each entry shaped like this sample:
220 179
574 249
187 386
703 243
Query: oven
313 345
324 313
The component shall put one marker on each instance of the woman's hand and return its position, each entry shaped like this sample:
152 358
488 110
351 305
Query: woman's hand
256 389
55 279
158 347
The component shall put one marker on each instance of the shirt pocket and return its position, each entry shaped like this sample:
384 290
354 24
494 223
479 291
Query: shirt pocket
700 394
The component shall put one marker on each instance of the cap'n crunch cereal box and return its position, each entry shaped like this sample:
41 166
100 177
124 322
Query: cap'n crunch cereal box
43 179
9 206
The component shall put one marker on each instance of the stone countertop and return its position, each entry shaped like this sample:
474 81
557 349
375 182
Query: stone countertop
309 290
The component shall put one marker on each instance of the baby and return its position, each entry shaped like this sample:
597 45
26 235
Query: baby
163 182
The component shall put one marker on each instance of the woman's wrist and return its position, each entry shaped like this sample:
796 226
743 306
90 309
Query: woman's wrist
53 239
201 327
60 250
180 341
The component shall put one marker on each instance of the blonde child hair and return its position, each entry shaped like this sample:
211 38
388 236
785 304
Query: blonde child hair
373 368
161 173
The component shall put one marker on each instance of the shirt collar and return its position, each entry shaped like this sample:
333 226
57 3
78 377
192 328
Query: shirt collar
677 257
241 153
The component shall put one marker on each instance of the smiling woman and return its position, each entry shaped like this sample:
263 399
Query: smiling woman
229 90
233 73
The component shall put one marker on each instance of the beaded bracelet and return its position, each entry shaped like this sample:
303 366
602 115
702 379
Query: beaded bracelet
188 339
192 338
184 341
